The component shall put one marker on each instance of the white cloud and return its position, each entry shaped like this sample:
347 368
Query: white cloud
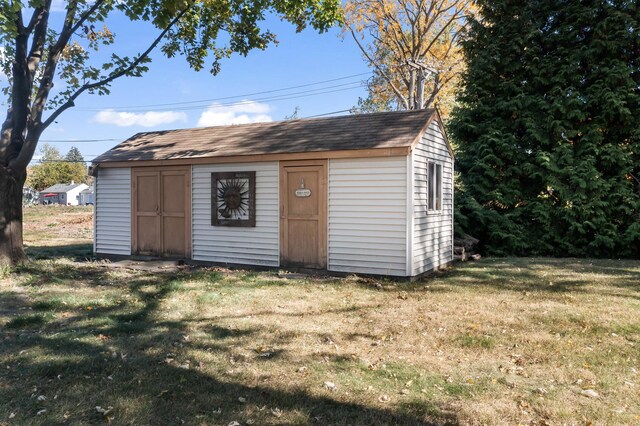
146 119
241 113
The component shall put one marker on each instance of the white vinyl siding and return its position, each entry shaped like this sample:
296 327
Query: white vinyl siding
432 230
259 245
112 231
367 215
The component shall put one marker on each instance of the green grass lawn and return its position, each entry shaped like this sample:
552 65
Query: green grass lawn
500 341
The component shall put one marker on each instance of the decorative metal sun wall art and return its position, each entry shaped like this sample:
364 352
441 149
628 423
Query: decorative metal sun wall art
233 199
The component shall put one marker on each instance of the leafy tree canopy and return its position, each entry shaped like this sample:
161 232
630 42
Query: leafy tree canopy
53 169
82 55
547 129
35 54
413 48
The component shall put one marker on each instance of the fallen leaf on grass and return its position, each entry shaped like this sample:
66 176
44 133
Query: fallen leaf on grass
103 411
330 385
384 398
265 351
590 393
520 361
276 412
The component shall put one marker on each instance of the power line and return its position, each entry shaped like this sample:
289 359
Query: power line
77 140
295 95
120 140
103 140
40 161
234 96
327 113
269 99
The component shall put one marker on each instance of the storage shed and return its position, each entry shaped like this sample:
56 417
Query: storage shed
366 193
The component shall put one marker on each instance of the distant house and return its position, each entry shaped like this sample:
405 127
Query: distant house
62 193
363 193
85 197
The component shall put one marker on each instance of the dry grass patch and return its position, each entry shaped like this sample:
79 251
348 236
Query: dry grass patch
55 226
487 343
501 341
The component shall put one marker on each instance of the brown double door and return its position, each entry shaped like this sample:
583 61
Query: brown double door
161 211
303 213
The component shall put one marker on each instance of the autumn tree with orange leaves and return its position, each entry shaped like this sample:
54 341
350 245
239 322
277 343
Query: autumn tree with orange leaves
413 48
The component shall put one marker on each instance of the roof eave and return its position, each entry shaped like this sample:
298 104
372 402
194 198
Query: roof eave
306 155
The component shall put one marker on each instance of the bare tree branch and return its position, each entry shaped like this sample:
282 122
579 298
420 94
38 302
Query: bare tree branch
70 102
411 39
37 127
37 108
20 92
397 92
39 25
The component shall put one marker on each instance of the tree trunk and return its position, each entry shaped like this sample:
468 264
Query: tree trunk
11 248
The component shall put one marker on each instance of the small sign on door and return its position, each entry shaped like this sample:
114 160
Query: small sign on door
302 191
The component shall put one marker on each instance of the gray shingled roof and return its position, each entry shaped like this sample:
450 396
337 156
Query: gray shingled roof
61 187
349 132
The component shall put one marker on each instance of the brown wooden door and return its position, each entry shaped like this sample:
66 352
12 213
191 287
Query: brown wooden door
161 211
146 212
303 206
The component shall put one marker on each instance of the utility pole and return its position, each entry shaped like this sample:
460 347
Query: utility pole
423 72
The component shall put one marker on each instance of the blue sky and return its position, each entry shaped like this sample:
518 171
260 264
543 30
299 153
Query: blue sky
135 104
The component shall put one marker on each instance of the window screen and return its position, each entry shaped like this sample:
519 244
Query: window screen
434 187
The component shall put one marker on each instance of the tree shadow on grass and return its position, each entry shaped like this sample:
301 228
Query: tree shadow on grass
599 277
122 356
11 302
77 252
171 394
588 276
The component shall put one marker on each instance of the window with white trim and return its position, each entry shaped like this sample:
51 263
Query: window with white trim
434 187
